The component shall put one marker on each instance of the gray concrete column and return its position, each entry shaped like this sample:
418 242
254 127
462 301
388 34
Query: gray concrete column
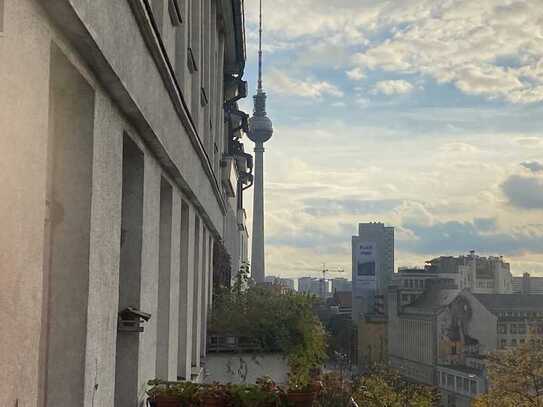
186 288
257 249
175 293
104 255
164 281
205 291
210 287
149 271
197 293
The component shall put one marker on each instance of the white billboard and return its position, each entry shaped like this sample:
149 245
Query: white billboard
366 266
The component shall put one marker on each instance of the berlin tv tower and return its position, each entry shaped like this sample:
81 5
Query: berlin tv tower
260 131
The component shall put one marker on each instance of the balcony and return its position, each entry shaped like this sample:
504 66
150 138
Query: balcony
242 219
229 176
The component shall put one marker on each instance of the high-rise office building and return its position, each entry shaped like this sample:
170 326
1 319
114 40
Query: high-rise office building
315 286
372 264
341 284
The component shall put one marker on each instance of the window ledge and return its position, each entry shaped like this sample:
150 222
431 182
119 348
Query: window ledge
191 61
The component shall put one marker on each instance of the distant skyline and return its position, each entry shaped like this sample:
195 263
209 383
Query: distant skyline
422 114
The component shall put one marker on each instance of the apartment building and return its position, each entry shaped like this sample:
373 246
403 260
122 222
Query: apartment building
480 275
441 338
123 165
527 284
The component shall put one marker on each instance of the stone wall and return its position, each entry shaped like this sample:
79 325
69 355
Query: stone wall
245 368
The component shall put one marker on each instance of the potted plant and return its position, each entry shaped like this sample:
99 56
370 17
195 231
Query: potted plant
273 394
213 395
335 391
172 394
301 392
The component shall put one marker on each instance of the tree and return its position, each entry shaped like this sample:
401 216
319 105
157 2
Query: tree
516 377
383 387
271 321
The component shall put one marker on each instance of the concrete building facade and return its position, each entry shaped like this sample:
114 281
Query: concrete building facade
341 284
480 275
122 168
441 338
432 340
316 286
527 284
283 282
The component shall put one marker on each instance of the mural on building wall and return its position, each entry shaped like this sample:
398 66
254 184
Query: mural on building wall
455 341
366 262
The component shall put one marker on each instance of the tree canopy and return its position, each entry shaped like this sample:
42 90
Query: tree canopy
516 377
383 387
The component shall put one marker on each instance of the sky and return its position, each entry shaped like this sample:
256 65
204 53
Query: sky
426 115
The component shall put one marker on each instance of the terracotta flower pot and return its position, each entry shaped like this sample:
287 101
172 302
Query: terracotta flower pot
301 399
167 401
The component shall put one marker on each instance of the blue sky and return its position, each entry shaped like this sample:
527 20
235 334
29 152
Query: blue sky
423 114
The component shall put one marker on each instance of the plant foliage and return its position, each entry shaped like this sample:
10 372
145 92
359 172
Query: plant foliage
383 387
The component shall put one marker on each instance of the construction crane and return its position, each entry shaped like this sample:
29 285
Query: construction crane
323 280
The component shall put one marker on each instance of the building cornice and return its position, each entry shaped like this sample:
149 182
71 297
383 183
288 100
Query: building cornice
66 16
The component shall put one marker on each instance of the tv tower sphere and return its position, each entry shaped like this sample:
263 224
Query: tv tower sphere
260 125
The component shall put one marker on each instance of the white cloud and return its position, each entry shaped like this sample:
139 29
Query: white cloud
458 147
484 48
444 162
392 87
491 48
281 83
529 141
355 74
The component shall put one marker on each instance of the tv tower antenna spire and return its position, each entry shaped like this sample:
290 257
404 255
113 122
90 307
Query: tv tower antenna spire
260 48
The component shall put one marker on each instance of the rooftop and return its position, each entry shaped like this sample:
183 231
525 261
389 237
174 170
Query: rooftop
498 302
433 300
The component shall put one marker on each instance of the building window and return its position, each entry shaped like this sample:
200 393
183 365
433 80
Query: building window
521 329
466 385
450 381
513 342
513 328
473 387
503 343
502 328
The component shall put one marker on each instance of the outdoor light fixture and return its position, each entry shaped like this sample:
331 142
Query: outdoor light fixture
130 319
